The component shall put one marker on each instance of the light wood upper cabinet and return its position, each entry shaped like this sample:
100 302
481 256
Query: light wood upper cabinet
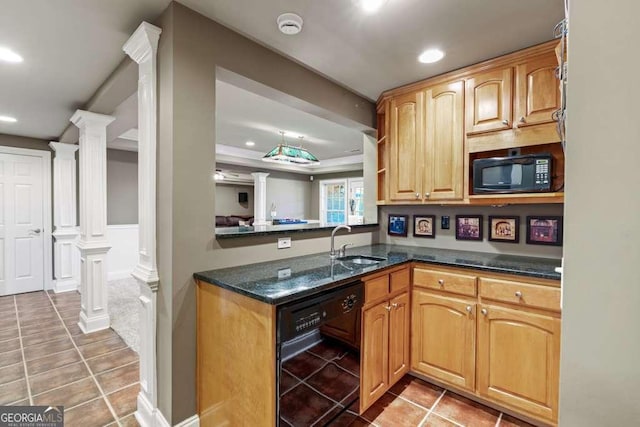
399 332
537 93
518 360
444 141
443 334
374 365
489 101
405 147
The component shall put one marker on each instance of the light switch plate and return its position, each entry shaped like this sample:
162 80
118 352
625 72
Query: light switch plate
444 222
284 243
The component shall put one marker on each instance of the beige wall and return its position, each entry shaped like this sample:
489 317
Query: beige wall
227 199
191 48
445 239
122 187
600 369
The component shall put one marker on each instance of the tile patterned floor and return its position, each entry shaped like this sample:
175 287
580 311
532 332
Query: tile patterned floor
415 403
316 385
46 360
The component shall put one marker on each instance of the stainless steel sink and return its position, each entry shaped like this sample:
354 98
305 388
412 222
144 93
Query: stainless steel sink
362 259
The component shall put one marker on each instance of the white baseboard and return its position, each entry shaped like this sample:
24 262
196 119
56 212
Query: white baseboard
147 416
65 285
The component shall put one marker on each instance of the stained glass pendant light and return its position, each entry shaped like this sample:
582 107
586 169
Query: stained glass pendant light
284 153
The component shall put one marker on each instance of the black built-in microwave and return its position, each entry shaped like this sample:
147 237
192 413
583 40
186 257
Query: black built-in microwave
516 174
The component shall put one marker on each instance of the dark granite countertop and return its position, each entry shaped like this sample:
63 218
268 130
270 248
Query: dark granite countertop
286 280
262 230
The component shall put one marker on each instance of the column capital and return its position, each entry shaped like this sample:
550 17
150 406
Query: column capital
83 119
64 150
143 42
259 175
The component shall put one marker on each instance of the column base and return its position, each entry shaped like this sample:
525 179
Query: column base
65 285
94 324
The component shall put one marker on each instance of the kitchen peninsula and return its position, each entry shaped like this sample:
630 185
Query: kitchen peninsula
500 307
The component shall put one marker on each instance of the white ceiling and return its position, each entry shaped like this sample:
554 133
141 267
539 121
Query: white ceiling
69 48
243 116
376 52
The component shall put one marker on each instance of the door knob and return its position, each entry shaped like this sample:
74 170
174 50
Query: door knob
37 231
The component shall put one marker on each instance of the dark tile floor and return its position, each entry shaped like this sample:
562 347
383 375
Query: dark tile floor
46 360
318 384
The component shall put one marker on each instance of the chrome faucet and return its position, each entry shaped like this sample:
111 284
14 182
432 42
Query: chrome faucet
332 253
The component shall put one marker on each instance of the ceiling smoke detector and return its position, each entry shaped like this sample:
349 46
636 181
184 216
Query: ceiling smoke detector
289 23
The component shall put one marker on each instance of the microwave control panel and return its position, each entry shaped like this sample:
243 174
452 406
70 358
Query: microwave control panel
543 177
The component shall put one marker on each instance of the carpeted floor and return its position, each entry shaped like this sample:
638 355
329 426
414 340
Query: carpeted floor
123 310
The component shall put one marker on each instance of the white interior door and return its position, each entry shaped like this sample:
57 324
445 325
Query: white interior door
21 224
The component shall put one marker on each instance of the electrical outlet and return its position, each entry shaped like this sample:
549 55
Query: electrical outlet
284 273
444 222
284 243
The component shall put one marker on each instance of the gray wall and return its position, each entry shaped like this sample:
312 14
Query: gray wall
446 239
227 199
23 142
600 370
291 195
122 187
191 48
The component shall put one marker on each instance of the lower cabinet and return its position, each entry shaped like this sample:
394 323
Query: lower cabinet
497 337
444 338
518 360
385 350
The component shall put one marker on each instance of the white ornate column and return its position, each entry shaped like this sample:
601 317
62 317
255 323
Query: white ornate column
64 217
142 47
260 198
93 243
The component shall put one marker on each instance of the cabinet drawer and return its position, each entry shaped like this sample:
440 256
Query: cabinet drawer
450 282
519 293
400 279
376 288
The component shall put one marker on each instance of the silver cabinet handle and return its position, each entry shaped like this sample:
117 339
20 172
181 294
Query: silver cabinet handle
518 294
522 120
417 195
388 308
469 308
37 231
505 122
441 282
427 195
395 305
484 312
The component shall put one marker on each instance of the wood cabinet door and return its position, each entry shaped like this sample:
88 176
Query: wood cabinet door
519 360
405 151
489 101
444 141
399 332
537 91
374 365
443 338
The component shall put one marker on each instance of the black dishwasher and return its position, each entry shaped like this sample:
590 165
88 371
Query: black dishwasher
318 358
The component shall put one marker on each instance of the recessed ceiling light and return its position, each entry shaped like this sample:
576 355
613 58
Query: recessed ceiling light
430 56
8 119
249 143
371 6
9 55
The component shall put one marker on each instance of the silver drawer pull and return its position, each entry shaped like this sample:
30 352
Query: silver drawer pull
441 282
518 294
469 308
484 312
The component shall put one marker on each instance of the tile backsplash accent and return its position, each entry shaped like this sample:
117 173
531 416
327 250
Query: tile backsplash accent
446 239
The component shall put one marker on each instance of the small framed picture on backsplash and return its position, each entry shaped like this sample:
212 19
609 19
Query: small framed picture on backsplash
468 227
424 226
544 230
504 229
397 225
